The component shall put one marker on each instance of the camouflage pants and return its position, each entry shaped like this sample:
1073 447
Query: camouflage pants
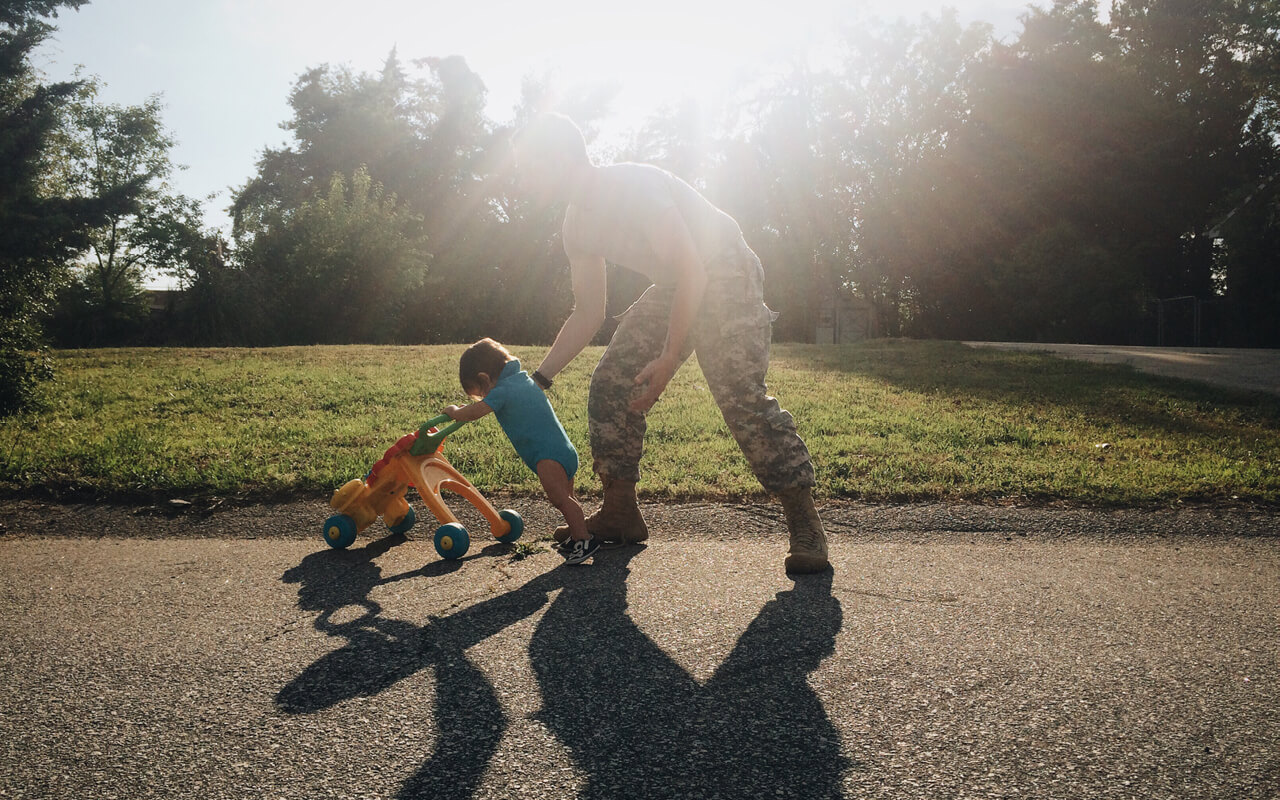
731 336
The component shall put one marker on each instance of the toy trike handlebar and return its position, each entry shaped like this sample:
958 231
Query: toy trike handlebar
429 439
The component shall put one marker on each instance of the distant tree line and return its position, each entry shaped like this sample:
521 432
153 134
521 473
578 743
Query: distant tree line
1062 186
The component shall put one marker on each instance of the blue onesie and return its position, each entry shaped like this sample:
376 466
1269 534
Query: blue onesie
528 420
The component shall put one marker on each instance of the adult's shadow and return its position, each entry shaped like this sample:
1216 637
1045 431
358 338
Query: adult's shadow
639 725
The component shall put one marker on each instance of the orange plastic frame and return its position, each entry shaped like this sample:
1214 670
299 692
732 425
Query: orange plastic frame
384 495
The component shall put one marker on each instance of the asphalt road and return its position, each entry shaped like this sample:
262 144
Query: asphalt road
953 652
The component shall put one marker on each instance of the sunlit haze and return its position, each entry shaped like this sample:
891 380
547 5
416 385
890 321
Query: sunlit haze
225 67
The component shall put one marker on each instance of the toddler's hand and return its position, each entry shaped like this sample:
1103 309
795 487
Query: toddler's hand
452 411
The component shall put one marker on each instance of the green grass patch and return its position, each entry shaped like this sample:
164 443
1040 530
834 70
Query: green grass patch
885 420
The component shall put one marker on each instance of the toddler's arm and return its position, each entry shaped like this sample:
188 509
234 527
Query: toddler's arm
469 412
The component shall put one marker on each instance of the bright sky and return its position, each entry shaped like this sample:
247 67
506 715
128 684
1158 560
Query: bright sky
225 67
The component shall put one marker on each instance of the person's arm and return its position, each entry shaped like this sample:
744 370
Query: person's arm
469 412
589 292
673 243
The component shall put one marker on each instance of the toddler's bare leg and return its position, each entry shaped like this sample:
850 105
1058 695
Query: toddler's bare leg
559 488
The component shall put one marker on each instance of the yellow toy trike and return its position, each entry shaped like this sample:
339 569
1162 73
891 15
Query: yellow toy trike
415 460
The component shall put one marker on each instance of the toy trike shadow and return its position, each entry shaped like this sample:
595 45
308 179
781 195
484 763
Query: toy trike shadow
634 721
337 581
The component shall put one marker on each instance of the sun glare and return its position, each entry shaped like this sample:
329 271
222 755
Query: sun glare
673 51
655 55
646 74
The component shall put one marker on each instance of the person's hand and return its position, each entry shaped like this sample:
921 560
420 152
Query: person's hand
653 378
452 411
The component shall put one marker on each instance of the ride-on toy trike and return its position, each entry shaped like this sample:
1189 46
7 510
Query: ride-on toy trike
415 460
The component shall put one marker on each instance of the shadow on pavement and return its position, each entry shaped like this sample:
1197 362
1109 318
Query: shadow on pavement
635 723
330 580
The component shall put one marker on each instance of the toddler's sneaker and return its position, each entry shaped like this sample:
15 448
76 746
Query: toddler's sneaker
576 551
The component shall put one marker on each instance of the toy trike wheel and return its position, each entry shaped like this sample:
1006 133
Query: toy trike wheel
340 531
452 541
405 524
517 526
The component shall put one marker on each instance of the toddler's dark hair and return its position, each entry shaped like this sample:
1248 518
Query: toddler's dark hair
485 356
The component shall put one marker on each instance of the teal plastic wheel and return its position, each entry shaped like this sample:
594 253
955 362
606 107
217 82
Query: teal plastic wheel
452 541
340 531
408 522
517 526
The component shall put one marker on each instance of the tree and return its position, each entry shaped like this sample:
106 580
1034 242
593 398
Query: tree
416 143
358 257
107 149
341 121
1058 156
1081 176
39 229
896 104
679 139
1247 259
178 245
1219 62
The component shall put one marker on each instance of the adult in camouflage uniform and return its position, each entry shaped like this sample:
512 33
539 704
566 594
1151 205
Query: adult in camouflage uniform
707 296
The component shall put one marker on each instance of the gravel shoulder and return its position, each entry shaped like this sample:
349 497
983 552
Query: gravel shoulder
853 521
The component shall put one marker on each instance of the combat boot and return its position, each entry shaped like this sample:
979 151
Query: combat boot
619 518
808 551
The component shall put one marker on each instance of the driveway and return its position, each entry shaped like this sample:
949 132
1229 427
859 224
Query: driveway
1236 368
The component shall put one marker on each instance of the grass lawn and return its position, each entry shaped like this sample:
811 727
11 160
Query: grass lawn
885 421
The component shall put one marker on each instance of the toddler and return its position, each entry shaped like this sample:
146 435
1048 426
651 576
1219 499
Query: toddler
492 378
